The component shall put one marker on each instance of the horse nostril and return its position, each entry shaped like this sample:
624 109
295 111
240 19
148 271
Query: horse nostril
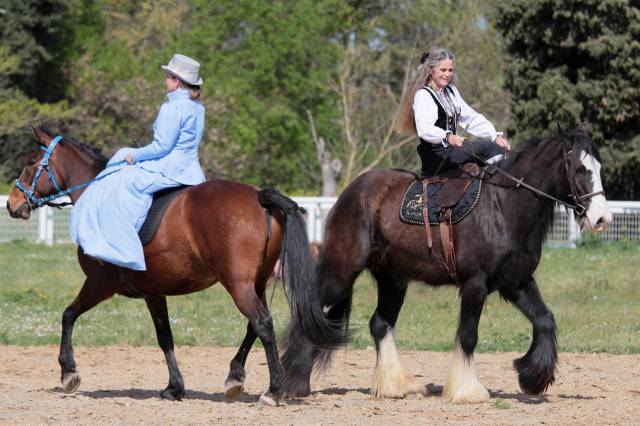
601 223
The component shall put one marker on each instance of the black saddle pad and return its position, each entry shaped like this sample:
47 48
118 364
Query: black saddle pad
411 206
161 201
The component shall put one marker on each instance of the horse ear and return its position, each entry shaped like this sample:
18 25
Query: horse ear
42 137
559 128
583 128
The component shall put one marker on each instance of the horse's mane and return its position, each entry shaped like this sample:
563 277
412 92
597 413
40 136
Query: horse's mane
574 143
91 151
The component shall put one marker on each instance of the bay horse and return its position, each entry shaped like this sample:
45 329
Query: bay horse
218 231
498 248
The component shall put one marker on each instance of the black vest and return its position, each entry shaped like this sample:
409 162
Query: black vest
445 121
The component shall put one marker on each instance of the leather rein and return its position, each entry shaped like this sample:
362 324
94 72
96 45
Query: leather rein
577 207
30 193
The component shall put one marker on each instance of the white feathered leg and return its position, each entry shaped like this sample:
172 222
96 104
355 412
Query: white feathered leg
390 379
463 386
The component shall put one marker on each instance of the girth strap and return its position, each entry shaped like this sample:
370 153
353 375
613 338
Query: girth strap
425 211
446 239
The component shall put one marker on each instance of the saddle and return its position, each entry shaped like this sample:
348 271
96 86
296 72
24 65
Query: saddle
443 200
161 201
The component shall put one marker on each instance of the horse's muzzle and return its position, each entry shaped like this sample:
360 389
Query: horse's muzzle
22 212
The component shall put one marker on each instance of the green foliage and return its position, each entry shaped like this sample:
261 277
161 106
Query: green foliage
578 62
92 67
32 81
35 31
264 65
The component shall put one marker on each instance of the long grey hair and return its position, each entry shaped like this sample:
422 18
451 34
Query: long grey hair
405 120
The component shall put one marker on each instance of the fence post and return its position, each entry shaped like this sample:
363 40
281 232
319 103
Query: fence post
42 225
574 230
49 226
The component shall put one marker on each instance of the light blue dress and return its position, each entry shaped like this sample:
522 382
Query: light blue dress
106 219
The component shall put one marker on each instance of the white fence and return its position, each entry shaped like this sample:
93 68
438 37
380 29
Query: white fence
50 225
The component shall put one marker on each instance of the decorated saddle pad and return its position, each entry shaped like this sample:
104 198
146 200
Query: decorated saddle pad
411 206
161 201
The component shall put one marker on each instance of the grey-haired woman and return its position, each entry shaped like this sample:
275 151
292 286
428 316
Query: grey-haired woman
433 109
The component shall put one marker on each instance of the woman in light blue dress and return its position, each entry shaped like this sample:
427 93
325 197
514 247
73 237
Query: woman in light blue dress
106 219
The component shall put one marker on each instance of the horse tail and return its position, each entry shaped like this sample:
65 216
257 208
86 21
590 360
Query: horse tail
307 317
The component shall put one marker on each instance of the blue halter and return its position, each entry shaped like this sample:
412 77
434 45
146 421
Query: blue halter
36 201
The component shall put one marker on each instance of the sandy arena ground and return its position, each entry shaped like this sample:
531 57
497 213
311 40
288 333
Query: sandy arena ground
121 385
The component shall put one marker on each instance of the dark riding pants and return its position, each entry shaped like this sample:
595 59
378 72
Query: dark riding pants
436 155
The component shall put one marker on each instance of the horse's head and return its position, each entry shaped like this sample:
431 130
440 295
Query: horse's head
40 177
581 160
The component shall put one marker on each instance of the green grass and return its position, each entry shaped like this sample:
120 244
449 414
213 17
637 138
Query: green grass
500 404
594 293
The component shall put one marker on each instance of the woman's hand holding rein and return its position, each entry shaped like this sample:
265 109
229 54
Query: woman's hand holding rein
454 140
503 143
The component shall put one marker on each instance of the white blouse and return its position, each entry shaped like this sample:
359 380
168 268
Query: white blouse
425 111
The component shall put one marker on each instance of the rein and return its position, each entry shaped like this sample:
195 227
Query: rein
35 201
578 207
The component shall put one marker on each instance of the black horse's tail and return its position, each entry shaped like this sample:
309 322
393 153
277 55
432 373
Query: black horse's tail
297 265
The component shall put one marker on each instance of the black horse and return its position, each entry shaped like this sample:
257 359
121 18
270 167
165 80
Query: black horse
498 249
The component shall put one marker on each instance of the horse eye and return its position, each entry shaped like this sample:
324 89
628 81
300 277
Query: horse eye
581 169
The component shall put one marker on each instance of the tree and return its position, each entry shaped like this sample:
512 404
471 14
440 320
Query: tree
266 64
381 43
577 62
32 79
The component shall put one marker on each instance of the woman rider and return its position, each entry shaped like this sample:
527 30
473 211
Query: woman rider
433 110
106 219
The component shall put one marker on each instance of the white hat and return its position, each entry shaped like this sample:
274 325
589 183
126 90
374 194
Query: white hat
185 68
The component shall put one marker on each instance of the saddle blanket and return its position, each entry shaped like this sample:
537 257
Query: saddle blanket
161 201
411 206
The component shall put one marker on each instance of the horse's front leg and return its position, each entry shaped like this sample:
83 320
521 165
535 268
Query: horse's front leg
536 370
463 385
91 293
158 309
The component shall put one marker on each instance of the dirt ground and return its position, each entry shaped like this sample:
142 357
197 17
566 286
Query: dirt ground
121 385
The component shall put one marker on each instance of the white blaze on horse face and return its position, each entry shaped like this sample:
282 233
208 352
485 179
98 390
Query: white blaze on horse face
598 214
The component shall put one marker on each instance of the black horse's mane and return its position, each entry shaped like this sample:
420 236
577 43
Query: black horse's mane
93 152
575 142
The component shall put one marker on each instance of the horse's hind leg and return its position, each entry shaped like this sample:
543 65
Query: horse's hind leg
536 370
158 309
91 293
462 385
235 379
250 304
390 379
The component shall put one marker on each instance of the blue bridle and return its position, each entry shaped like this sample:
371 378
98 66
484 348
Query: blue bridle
36 201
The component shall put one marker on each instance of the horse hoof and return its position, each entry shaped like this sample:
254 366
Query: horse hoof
232 388
269 400
472 393
172 394
70 382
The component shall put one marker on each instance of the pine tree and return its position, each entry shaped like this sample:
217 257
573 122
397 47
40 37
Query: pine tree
578 61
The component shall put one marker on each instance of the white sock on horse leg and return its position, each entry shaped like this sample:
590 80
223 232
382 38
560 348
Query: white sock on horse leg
390 379
463 386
